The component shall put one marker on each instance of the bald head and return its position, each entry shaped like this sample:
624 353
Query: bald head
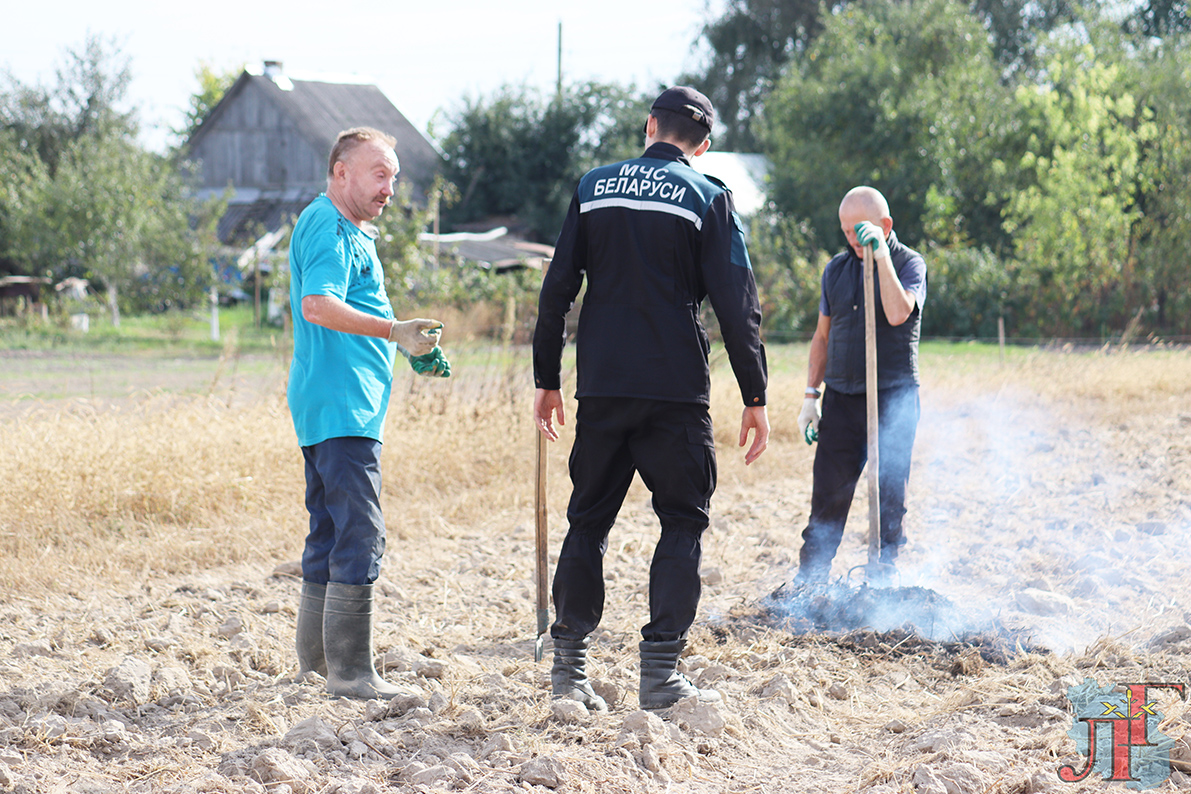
867 201
863 204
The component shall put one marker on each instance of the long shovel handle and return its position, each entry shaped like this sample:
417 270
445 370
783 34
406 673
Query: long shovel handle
873 466
541 527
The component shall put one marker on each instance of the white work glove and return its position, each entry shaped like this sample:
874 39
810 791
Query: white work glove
808 420
415 337
870 234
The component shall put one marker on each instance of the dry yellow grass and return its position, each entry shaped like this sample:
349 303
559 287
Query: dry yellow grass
160 484
165 483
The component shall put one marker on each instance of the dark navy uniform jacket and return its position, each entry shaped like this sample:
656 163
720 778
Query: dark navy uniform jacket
843 301
654 237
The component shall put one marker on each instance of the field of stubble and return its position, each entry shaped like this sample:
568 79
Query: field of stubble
150 512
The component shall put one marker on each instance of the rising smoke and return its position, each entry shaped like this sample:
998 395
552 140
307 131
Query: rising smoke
1025 518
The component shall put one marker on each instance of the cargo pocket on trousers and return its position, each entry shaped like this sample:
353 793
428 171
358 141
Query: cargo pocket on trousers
701 445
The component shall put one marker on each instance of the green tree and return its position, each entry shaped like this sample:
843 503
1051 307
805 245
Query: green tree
119 215
970 288
87 98
213 84
787 272
519 153
1073 225
1161 282
1015 26
901 96
751 43
614 131
23 180
80 196
748 46
1160 18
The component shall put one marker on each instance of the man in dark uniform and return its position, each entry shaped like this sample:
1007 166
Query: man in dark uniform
653 238
837 358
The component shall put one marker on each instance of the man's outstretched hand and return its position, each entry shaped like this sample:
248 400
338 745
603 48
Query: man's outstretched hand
415 337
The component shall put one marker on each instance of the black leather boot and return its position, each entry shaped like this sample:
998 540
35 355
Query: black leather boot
309 631
661 684
347 644
568 676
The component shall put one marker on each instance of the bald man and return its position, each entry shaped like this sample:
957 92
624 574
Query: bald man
837 364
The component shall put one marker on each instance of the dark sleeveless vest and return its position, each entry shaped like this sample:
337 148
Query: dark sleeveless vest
897 346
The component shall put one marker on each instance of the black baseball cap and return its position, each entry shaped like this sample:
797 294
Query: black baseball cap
686 101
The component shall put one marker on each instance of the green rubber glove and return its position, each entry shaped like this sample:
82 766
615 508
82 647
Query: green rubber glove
870 234
433 365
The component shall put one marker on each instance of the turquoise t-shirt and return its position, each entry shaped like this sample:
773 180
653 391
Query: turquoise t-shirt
339 383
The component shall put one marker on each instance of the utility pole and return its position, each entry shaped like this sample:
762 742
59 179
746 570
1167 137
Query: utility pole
558 84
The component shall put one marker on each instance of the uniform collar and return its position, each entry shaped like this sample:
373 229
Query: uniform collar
666 151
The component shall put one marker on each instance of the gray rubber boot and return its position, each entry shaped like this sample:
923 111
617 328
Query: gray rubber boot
661 684
568 676
309 631
347 644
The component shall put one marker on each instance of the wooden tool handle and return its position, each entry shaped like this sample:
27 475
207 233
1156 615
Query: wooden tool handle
873 466
541 527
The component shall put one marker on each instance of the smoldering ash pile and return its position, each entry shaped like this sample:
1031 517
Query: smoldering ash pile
908 619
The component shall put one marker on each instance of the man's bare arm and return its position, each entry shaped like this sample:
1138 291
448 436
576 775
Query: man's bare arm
896 300
330 312
817 366
414 337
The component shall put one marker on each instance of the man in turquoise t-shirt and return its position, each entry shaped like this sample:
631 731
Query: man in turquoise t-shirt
345 343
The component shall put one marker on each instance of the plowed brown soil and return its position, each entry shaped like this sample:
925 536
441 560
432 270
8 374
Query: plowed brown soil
146 625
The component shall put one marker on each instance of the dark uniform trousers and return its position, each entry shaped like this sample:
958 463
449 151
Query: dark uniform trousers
839 460
671 445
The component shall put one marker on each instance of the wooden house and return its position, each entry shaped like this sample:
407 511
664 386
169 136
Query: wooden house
269 139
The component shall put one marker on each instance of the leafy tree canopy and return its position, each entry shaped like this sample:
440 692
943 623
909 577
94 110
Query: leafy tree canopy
895 95
519 153
88 97
748 45
80 196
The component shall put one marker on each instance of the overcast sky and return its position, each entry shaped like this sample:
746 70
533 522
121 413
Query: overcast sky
425 56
